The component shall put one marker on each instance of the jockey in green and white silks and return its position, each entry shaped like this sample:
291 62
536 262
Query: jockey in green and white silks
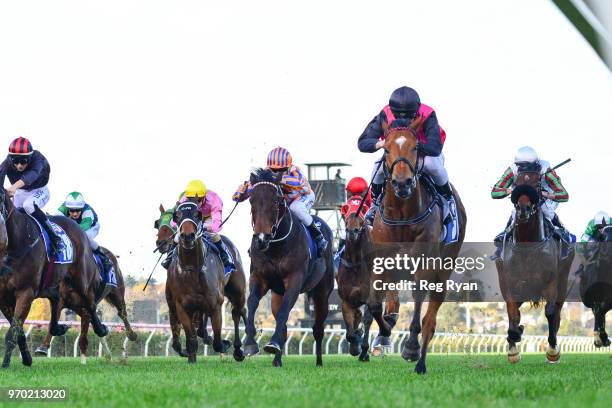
600 220
79 211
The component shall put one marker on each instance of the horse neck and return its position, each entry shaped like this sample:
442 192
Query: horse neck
16 226
530 231
191 258
356 251
400 208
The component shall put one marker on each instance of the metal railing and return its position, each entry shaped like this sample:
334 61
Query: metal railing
442 343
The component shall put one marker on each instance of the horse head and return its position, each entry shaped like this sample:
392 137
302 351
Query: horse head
401 156
189 220
268 206
165 230
526 195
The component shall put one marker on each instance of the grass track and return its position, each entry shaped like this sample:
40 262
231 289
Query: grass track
452 380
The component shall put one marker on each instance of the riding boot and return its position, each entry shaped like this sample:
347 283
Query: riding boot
168 260
57 245
450 221
376 193
228 265
106 262
318 237
499 241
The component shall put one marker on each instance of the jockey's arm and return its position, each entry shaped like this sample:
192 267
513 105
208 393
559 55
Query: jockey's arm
87 220
502 188
559 193
213 222
433 141
242 192
367 142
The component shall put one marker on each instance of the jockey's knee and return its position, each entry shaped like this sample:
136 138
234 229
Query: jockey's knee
378 173
434 166
215 237
29 206
299 210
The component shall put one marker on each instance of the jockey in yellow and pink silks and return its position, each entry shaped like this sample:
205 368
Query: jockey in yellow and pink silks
211 207
296 189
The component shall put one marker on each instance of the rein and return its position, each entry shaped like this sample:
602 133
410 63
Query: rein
279 218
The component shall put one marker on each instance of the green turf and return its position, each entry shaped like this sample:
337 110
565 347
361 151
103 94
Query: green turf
452 380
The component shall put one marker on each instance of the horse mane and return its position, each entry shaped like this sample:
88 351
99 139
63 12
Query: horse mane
263 175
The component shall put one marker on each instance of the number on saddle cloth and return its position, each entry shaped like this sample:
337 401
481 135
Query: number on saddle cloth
109 278
66 256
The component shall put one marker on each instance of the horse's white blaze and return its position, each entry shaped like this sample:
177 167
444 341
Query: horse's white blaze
261 236
400 141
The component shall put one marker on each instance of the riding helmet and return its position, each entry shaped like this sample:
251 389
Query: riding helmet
279 158
405 101
195 189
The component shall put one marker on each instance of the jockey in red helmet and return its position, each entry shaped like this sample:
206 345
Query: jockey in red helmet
28 171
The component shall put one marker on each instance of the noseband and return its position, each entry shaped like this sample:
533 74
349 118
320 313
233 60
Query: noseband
413 167
279 216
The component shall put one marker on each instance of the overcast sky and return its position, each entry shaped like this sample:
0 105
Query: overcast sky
129 100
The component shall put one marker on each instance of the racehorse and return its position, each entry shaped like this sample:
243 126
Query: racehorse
115 296
234 290
23 277
532 266
196 282
409 213
596 282
354 280
283 261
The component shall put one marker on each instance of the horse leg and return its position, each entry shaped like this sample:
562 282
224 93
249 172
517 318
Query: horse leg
392 305
601 337
429 328
552 311
219 345
256 291
43 349
276 343
117 299
515 331
83 342
275 304
236 314
56 329
175 326
203 331
365 345
15 334
350 318
321 309
190 334
410 346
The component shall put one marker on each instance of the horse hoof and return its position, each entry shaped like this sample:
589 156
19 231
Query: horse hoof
251 349
377 351
597 342
364 358
514 356
277 363
272 348
207 340
59 329
354 349
552 355
238 355
26 359
410 355
132 336
101 331
420 368
41 351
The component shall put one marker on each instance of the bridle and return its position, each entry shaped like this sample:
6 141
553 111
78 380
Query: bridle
197 224
414 168
279 217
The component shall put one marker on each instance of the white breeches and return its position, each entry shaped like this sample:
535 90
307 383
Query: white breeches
301 208
548 210
92 233
431 165
27 199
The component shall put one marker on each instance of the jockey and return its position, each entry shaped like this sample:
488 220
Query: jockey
405 104
79 211
552 189
296 189
600 220
211 208
28 171
355 189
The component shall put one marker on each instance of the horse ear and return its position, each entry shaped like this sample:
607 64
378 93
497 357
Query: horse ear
161 208
416 122
156 224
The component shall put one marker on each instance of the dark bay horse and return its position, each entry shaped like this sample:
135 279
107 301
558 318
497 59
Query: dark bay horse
532 266
21 281
596 281
410 216
196 283
115 296
234 290
354 280
281 262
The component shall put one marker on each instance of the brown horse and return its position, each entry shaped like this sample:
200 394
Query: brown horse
532 266
354 284
115 296
25 262
409 214
234 290
195 284
281 262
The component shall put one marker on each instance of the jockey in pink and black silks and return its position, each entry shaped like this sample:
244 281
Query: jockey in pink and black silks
404 106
